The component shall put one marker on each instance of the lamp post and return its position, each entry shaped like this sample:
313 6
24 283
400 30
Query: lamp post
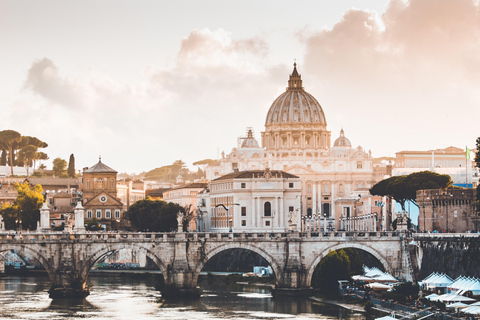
423 205
227 208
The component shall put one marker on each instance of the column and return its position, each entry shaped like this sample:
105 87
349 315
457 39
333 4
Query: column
79 217
275 219
254 213
45 218
314 197
259 213
320 196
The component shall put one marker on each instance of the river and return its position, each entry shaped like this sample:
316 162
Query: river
135 297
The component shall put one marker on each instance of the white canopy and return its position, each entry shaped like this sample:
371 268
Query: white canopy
432 297
472 310
458 305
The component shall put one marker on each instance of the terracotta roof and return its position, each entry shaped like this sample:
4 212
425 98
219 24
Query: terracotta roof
53 181
100 167
190 186
255 174
156 192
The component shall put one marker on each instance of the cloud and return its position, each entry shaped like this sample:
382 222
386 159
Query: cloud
43 79
416 66
213 79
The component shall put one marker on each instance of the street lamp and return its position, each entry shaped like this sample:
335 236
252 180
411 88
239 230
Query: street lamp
226 209
423 205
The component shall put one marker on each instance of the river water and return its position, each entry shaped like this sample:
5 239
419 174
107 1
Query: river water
135 297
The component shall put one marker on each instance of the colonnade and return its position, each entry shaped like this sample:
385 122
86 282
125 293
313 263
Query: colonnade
364 222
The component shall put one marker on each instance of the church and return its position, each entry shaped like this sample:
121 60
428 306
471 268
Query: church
296 141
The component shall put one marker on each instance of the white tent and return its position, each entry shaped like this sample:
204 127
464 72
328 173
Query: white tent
458 305
472 310
432 297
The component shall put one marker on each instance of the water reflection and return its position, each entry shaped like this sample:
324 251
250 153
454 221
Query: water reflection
124 297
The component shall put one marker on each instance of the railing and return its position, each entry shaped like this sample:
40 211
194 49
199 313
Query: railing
227 236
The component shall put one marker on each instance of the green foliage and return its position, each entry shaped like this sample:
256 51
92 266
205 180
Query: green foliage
59 167
9 140
170 173
93 225
154 215
25 208
71 166
404 188
404 292
477 155
335 266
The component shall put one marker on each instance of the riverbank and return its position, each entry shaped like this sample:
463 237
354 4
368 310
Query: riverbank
345 305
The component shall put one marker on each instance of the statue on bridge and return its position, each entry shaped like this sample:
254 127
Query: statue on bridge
180 218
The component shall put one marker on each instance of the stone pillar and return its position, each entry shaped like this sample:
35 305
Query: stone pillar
79 217
179 280
293 280
44 218
2 228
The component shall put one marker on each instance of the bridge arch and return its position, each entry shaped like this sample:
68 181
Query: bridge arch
211 253
111 247
373 252
34 252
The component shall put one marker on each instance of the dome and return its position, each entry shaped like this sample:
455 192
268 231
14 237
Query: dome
249 141
342 141
295 105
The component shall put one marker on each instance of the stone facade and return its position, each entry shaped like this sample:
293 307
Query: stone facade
296 140
252 201
100 196
448 210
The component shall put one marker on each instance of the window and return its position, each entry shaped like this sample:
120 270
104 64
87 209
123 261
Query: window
290 184
89 214
88 184
267 209
244 211
117 214
290 209
108 214
359 165
111 183
309 212
267 223
243 185
244 223
98 213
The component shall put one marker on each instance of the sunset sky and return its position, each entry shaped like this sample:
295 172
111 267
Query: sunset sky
145 83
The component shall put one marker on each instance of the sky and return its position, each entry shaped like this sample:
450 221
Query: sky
144 83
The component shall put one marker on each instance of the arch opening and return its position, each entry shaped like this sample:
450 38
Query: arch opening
340 262
108 254
22 258
241 260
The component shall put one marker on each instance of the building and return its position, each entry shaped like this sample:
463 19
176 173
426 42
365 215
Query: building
450 210
452 161
296 141
99 186
129 192
185 195
254 200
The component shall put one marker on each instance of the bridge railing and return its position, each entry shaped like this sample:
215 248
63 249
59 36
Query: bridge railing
230 236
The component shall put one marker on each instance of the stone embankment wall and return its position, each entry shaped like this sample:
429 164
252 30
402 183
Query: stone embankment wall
453 256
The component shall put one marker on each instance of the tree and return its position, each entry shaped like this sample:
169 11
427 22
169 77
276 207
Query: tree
333 267
28 154
477 155
59 167
71 166
8 140
154 215
404 188
25 210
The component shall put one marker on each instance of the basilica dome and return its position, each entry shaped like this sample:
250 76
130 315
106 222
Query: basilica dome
295 106
342 141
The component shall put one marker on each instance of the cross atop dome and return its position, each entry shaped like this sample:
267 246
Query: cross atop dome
295 81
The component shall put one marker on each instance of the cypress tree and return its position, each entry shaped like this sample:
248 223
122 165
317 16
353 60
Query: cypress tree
71 166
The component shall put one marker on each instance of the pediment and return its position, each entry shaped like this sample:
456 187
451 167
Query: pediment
103 199
297 169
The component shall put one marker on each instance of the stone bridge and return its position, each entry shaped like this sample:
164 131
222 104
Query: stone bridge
293 256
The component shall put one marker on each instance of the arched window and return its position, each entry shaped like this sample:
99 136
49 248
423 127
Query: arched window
267 209
88 184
